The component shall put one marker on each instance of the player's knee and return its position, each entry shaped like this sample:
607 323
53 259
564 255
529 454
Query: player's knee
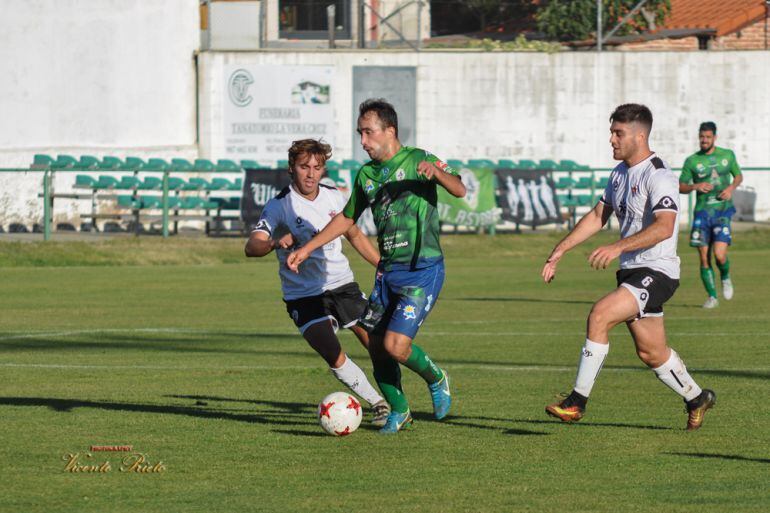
598 318
395 350
651 357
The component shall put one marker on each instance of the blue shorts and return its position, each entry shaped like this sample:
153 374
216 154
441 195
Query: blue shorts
401 300
707 229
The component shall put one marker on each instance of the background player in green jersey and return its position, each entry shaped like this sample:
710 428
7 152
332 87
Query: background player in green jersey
399 184
714 173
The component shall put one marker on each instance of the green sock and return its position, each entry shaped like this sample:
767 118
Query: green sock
707 277
387 373
421 363
724 269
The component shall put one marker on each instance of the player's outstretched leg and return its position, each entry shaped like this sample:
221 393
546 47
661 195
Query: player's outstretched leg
387 373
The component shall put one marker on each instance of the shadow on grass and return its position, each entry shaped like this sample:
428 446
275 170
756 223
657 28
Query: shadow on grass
522 299
286 417
558 422
297 432
718 456
284 406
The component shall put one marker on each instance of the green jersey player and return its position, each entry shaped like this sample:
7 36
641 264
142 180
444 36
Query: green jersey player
714 173
399 184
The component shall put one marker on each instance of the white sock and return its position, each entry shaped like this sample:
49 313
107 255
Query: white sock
674 374
591 360
351 375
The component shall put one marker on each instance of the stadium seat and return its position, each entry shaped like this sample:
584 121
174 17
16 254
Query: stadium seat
111 163
585 200
128 201
106 182
133 164
221 184
151 202
506 164
527 164
480 163
227 166
231 203
208 204
568 201
64 162
175 183
457 164
250 164
41 160
350 164
128 182
548 164
203 165
88 162
181 165
584 182
189 202
156 165
200 184
84 182
333 165
601 183
571 165
151 183
238 184
565 182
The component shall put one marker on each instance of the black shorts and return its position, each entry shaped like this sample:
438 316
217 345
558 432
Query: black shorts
343 306
650 288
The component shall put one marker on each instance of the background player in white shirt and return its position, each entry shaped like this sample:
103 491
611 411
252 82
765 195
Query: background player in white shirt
643 193
322 296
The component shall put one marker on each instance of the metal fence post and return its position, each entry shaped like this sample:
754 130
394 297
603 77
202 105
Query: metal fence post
47 205
165 204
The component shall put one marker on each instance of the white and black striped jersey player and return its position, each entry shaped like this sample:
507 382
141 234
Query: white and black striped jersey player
636 194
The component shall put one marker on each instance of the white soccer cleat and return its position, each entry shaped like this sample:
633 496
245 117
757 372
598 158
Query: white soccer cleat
727 289
711 302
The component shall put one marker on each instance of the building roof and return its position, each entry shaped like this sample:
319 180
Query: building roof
723 16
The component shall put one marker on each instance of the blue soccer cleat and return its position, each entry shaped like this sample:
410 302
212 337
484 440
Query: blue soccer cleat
396 422
442 399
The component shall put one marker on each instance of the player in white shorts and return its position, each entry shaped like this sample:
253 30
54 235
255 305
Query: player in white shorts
323 296
643 193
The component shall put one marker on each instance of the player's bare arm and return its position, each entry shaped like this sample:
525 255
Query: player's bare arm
661 229
451 183
361 243
728 192
260 244
588 225
336 227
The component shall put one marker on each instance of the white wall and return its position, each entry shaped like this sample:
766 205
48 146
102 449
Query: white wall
102 77
534 105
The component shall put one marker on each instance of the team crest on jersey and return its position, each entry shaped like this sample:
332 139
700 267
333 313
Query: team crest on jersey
700 166
724 162
634 190
332 213
400 174
369 186
410 312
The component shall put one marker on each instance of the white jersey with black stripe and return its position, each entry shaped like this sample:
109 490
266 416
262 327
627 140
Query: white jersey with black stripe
636 194
326 268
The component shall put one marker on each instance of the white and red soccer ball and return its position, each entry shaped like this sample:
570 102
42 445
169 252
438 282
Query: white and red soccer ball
339 414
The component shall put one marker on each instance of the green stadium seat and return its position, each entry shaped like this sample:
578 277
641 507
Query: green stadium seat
527 164
209 204
238 184
189 202
151 202
203 165
181 165
84 182
602 183
584 182
156 165
64 162
567 165
220 184
111 163
457 164
175 183
151 183
585 200
231 203
333 165
173 202
565 182
133 164
282 164
88 162
250 164
506 164
227 166
200 184
567 201
128 182
128 201
41 160
548 164
350 164
106 182
480 163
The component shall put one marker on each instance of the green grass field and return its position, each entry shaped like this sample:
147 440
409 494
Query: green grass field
183 350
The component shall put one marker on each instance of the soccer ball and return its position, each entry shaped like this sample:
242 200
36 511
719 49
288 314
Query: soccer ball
339 414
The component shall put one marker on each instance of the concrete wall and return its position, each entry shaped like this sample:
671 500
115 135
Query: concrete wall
93 77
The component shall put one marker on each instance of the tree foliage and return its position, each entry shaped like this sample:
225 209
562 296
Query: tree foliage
567 20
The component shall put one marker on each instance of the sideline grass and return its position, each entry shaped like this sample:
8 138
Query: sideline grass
198 367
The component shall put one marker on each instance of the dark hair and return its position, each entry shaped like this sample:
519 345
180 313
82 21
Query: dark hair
383 109
708 126
633 113
321 150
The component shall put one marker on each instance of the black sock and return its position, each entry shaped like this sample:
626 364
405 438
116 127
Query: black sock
575 399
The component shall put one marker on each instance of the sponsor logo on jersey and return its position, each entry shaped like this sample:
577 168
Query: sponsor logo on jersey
441 165
726 230
400 174
410 312
369 186
634 190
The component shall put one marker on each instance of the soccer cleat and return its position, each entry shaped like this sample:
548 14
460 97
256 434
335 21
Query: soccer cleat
380 412
565 413
727 289
442 398
396 422
711 302
696 409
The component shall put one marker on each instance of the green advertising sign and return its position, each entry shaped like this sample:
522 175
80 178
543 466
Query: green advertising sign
478 207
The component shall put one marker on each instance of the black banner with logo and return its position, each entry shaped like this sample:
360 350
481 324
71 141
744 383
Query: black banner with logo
527 196
259 187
